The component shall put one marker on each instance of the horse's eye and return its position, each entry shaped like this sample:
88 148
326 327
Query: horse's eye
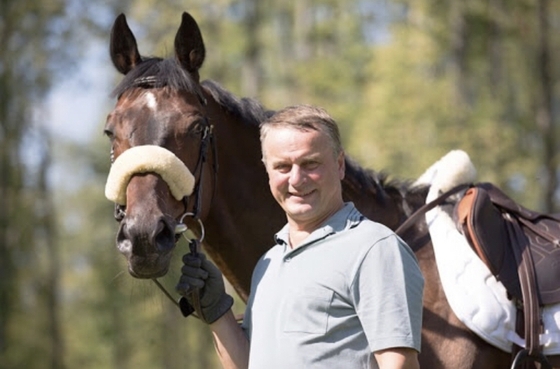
197 128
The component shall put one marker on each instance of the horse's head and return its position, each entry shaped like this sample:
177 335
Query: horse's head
160 112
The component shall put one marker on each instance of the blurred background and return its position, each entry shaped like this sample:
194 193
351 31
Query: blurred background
407 80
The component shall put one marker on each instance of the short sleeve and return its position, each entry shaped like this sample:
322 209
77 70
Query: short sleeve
387 291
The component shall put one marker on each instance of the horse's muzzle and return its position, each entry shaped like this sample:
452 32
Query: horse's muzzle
147 246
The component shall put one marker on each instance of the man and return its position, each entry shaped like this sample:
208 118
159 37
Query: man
337 290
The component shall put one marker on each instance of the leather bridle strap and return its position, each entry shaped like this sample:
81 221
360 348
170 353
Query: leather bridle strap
207 139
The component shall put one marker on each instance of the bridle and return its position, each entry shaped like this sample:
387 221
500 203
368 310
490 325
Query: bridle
207 143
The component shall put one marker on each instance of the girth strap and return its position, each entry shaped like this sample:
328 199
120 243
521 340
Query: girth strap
529 290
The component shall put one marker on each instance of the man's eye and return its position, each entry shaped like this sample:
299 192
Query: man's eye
311 165
282 168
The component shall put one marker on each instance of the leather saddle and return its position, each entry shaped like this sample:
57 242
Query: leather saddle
521 248
498 228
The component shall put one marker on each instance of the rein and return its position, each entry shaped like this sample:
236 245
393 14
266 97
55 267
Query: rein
427 207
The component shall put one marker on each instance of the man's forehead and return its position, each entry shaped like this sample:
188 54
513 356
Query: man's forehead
294 157
293 138
281 132
294 127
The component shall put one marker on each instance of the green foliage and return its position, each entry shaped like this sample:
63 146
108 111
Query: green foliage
424 102
407 81
31 34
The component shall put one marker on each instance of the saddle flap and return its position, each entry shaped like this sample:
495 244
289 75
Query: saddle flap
541 232
485 229
482 223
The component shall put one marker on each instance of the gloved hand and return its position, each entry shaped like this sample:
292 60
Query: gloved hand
199 273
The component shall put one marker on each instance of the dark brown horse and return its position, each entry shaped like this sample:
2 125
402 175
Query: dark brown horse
162 102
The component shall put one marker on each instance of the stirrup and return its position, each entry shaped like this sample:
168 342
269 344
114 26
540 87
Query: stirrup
523 356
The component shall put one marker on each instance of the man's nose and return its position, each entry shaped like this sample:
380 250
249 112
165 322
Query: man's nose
296 175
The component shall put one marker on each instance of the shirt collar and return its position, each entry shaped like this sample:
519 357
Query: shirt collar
347 217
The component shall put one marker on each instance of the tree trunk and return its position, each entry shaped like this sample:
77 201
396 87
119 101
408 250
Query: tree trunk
544 114
252 70
52 281
458 47
495 52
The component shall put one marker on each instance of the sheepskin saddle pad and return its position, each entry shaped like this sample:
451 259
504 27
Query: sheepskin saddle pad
476 297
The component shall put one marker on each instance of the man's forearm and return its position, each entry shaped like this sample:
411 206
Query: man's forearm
397 358
230 341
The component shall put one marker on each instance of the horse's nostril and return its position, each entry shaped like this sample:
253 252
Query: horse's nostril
165 236
145 237
123 232
124 243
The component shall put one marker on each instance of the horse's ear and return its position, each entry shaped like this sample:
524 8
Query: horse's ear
123 49
189 47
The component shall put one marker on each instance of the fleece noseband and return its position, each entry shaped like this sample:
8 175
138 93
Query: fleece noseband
148 159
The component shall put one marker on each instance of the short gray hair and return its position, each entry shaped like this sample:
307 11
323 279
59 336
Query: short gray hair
304 118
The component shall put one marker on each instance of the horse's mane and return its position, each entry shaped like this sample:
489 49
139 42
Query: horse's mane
157 73
247 109
383 187
367 179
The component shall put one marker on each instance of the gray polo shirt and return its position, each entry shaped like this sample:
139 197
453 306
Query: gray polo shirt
353 287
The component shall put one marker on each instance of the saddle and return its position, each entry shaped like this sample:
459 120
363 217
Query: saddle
522 250
501 231
519 246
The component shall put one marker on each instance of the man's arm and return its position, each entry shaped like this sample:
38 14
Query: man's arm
230 341
397 358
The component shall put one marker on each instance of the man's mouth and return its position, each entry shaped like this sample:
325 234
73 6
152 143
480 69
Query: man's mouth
300 194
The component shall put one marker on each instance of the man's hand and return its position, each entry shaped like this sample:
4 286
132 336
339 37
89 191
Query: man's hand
199 273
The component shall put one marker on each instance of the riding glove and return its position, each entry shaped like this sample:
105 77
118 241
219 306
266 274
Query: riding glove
200 273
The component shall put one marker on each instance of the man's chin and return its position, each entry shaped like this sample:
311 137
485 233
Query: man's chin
296 211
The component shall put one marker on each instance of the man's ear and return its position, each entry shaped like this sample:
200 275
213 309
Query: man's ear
341 165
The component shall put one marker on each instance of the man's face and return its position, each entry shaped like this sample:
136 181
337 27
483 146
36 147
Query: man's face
304 175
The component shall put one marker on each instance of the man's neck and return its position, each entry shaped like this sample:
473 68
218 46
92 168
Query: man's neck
299 231
297 237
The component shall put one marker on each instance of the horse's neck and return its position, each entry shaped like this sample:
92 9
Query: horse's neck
244 216
386 202
370 197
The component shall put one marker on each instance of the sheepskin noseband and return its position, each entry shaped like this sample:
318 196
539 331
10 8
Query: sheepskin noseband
148 159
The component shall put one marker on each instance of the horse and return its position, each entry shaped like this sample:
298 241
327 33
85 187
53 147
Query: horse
162 102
